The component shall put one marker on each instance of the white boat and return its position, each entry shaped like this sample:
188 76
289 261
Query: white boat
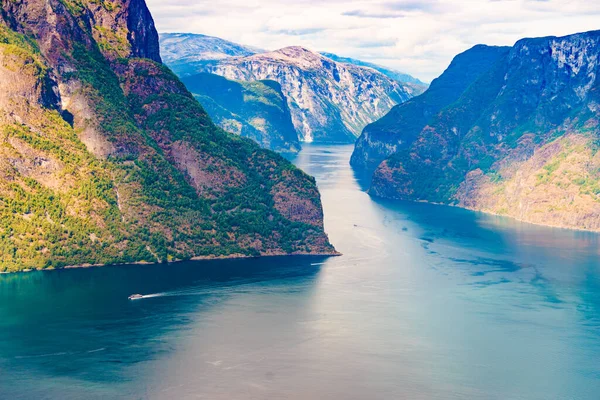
136 297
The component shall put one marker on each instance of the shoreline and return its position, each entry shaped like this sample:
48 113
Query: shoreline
197 258
567 228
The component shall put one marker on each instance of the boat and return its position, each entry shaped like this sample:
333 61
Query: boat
136 296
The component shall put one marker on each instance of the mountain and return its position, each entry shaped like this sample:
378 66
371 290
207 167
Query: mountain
107 158
390 73
186 53
329 101
257 110
522 140
402 125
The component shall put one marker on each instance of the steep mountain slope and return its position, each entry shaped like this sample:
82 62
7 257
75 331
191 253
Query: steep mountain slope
107 158
256 110
186 53
522 140
390 73
402 125
329 101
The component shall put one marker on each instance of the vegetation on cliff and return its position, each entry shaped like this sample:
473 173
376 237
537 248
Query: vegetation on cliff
257 110
399 128
521 140
107 158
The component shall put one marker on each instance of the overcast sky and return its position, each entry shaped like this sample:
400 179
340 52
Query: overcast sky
419 37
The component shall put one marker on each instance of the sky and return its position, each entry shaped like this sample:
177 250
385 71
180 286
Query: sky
419 37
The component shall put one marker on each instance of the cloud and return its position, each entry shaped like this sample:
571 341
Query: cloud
298 32
419 37
366 14
376 43
431 6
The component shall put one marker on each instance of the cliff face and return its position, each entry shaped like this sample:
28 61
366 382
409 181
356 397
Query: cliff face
522 140
141 32
256 110
401 126
329 101
105 157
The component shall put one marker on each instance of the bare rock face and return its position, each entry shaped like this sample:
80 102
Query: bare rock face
521 140
210 176
141 32
329 101
105 157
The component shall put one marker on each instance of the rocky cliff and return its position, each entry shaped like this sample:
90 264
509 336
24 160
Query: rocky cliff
329 101
402 125
522 140
105 157
256 110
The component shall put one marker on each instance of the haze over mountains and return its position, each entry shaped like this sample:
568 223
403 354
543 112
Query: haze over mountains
396 75
185 53
509 130
330 102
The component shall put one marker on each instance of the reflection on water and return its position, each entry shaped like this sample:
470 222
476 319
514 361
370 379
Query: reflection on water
427 302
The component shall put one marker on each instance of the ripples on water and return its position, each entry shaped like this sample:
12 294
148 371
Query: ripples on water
428 302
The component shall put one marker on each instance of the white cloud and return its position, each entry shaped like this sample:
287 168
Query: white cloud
419 37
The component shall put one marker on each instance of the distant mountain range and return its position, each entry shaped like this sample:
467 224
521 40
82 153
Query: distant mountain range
508 130
329 101
391 73
184 49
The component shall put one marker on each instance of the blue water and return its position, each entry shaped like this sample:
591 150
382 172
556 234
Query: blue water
427 302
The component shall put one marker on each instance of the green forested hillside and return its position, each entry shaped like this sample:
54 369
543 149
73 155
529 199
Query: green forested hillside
107 158
257 110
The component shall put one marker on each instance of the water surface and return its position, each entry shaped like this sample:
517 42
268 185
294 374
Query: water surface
427 302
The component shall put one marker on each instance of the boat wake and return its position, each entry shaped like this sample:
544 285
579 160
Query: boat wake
149 296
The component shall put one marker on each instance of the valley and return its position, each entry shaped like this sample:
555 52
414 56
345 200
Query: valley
426 302
184 216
